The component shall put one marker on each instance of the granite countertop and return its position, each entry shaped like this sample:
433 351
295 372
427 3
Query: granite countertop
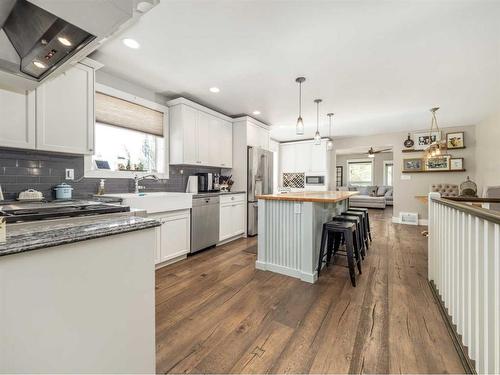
311 196
20 240
217 193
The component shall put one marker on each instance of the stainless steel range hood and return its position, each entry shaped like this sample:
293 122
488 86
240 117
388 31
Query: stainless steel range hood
41 40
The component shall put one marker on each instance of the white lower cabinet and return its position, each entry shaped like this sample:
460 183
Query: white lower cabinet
173 236
232 216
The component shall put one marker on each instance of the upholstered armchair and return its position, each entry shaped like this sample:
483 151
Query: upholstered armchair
446 190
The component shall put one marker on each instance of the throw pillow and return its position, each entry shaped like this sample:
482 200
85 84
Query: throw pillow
381 191
372 191
388 194
363 190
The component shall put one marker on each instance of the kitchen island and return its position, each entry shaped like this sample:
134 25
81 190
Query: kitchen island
290 227
78 296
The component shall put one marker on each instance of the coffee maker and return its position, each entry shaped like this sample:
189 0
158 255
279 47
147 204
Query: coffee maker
205 182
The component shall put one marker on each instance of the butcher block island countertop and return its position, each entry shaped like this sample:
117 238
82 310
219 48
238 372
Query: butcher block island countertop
311 196
289 228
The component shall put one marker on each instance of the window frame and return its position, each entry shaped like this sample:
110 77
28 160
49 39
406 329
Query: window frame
386 163
89 172
355 161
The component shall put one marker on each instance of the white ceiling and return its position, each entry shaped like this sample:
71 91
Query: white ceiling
379 65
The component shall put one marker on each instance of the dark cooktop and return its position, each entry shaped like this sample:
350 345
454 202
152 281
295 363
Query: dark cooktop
31 211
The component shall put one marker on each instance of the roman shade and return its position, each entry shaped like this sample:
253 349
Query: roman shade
118 112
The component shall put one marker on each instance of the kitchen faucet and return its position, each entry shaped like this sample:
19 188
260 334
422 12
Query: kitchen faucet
137 179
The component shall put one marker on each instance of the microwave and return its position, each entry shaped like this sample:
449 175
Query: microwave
315 180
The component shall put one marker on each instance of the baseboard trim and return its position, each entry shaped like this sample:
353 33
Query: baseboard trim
467 363
306 277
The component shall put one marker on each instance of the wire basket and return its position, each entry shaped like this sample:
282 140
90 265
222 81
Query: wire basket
468 188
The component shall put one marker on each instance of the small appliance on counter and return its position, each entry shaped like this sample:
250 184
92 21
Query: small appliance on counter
63 191
205 182
30 195
192 185
216 184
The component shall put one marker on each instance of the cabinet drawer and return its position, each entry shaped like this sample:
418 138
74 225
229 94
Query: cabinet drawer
232 198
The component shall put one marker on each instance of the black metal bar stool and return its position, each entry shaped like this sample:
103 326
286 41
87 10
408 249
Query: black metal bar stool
365 210
359 231
364 229
336 230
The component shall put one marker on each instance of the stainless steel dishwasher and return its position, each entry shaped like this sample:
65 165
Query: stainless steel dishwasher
204 223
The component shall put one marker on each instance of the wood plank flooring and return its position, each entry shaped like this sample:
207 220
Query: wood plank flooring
216 314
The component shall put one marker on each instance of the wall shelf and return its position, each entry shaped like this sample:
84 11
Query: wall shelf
412 150
448 170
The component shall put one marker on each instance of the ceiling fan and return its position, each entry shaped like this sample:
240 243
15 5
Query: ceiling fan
372 152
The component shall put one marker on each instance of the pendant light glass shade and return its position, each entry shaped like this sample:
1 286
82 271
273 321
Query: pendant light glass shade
317 136
436 147
299 128
329 143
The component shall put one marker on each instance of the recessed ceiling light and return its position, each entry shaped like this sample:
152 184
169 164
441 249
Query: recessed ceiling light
39 64
131 43
214 89
64 41
256 112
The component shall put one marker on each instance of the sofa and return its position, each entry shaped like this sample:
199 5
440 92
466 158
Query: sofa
370 196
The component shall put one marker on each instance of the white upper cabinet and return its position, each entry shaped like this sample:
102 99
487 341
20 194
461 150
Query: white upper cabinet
257 136
303 157
199 136
65 112
17 119
58 116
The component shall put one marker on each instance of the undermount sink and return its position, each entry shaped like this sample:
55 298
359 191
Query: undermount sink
155 202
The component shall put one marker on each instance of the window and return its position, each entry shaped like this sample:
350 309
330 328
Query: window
360 172
128 150
130 136
388 172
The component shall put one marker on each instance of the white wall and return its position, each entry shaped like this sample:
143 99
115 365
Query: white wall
487 152
418 183
129 87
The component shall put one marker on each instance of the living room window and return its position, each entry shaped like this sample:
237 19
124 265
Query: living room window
360 172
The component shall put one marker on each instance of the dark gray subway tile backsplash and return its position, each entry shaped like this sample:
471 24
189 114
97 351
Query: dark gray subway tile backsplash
25 169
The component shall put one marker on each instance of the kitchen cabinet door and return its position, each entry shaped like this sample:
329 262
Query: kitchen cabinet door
214 140
189 118
65 112
238 212
225 222
225 145
204 135
17 113
303 158
318 157
287 156
175 235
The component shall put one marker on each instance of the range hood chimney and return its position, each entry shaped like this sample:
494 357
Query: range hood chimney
41 40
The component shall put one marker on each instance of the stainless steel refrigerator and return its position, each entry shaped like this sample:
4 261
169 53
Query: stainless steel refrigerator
259 181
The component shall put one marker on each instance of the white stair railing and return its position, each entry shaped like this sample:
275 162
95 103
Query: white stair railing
464 266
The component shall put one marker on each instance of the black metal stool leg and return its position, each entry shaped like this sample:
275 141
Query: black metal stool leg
357 252
324 233
350 257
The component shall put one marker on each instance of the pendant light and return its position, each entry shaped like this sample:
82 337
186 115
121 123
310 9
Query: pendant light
329 144
436 148
317 136
299 129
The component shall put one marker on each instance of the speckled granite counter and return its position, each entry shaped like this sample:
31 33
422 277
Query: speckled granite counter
21 240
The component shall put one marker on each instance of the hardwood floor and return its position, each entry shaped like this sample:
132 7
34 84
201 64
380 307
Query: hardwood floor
216 314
